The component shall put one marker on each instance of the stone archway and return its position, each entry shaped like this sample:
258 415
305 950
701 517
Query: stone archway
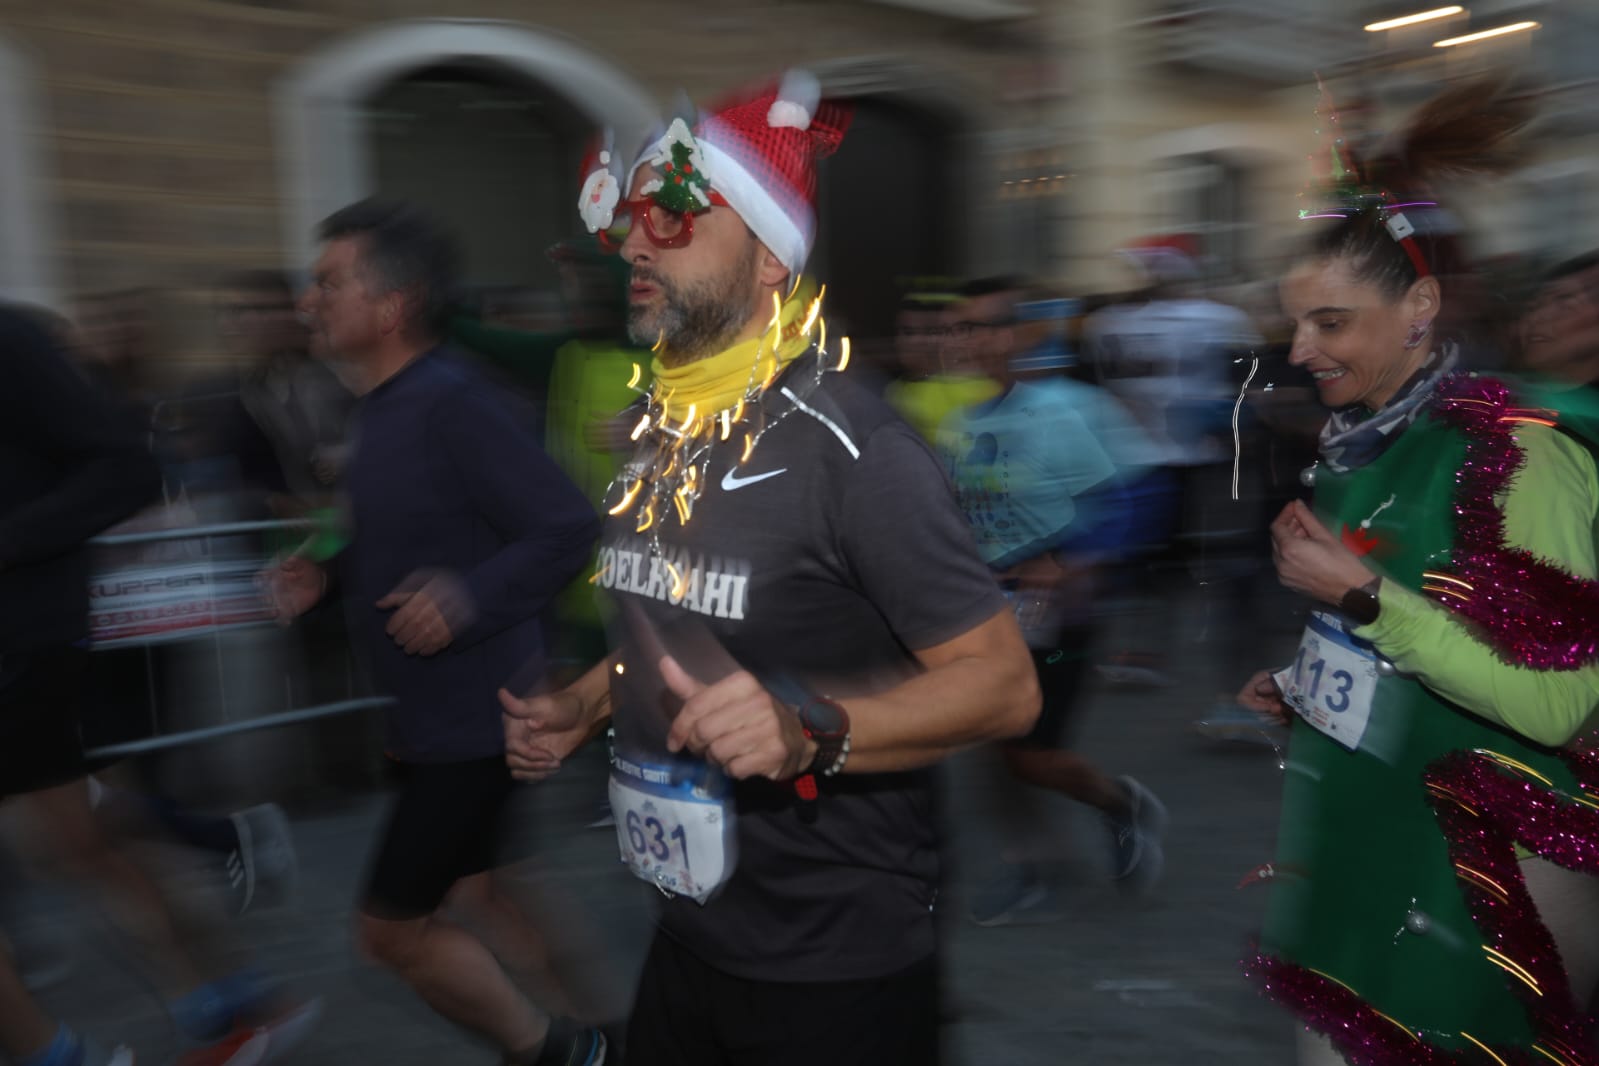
323 154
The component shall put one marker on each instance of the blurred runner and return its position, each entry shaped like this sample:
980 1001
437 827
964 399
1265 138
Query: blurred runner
1048 507
1168 355
1560 332
463 531
70 465
934 379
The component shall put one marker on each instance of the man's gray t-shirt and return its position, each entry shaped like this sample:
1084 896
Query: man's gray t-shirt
820 565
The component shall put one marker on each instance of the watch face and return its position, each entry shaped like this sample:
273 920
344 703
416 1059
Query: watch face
1361 605
822 718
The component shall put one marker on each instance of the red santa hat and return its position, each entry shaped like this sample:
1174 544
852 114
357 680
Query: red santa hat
1166 257
760 153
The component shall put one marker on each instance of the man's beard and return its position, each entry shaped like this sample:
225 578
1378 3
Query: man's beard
694 321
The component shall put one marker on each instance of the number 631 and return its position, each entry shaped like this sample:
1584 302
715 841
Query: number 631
648 836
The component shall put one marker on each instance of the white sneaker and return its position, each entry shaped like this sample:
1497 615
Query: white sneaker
264 867
290 1030
95 1055
1137 858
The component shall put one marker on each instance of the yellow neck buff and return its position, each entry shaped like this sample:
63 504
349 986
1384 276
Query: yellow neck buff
719 382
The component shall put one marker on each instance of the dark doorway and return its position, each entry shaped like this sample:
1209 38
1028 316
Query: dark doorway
888 214
493 155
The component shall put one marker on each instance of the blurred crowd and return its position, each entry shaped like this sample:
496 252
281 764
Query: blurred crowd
1127 465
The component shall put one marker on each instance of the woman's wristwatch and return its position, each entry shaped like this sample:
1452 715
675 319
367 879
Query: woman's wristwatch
1360 604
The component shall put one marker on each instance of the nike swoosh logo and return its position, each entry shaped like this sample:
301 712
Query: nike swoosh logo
731 482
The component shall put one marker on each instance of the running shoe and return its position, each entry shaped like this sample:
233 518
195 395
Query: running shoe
263 868
570 1043
289 1030
95 1055
1135 838
257 1045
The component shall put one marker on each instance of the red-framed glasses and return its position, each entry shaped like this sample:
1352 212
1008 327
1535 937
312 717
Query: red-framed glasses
664 227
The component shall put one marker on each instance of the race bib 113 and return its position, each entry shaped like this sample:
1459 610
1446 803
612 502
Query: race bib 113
1332 680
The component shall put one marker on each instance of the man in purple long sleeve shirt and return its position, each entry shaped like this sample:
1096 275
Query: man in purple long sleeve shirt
463 531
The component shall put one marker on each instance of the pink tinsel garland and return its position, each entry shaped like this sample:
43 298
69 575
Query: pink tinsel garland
1533 613
1485 807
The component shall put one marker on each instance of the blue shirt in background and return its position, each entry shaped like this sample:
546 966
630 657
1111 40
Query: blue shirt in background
1022 465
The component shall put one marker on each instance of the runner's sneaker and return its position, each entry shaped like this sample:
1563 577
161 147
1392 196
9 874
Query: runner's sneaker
257 1045
95 1055
570 1043
1136 855
263 868
289 1030
1017 895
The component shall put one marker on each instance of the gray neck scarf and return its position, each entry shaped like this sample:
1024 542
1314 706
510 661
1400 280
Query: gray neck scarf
1351 440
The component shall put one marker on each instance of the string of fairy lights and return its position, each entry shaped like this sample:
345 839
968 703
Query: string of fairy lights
670 466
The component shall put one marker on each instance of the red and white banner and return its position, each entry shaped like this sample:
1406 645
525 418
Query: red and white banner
146 603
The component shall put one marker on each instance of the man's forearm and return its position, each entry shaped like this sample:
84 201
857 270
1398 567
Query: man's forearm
950 707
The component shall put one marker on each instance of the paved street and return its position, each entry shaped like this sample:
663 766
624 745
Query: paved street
1114 981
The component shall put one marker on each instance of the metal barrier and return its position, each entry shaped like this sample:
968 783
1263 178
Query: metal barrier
266 721
193 594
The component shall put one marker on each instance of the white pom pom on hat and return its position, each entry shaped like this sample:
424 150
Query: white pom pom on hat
797 96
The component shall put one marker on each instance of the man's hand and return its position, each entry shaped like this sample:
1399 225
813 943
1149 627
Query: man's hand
541 732
1311 560
328 461
292 587
430 609
1261 695
737 725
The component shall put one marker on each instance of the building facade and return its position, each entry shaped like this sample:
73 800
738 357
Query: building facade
171 142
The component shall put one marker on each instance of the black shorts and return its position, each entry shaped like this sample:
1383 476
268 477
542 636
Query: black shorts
446 824
41 698
1062 673
690 1014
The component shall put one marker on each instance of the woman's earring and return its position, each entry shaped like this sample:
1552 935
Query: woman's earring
1418 333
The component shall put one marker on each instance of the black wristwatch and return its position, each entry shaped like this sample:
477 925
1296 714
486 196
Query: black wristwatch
1360 604
827 724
